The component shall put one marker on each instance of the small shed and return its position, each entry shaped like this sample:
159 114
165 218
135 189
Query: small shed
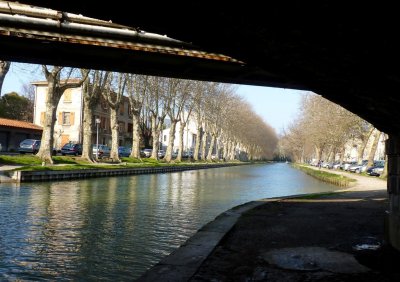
12 132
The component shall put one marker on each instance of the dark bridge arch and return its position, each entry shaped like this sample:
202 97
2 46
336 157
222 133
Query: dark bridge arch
347 53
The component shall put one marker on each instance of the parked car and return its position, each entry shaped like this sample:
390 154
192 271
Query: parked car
346 165
147 152
377 171
377 165
29 146
358 168
161 154
71 149
103 151
124 151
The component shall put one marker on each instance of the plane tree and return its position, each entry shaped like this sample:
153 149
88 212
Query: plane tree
58 80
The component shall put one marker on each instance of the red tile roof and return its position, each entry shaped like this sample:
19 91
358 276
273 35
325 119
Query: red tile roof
19 124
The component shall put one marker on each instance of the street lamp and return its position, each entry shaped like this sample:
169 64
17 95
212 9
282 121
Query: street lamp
97 138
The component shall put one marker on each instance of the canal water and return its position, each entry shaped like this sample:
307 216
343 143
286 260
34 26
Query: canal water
113 229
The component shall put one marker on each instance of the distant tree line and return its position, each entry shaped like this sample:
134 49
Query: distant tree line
322 131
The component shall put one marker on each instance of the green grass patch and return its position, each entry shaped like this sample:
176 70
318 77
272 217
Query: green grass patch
69 160
20 160
76 163
328 177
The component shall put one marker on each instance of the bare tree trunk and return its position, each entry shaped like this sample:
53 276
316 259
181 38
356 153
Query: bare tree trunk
54 93
197 145
318 153
232 154
91 93
168 154
204 146
46 145
156 134
342 150
385 168
373 148
4 67
135 153
361 149
181 132
210 150
226 150
87 151
114 134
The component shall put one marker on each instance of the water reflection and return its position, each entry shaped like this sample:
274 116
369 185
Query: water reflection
115 228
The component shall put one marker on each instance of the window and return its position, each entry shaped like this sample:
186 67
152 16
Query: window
42 117
122 109
66 118
67 96
165 138
121 127
130 127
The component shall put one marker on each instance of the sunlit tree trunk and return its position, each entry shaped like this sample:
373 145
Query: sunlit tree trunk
87 151
210 150
197 145
233 151
114 134
374 146
91 94
204 146
156 136
170 147
225 150
137 90
385 168
361 148
54 93
135 153
114 98
180 144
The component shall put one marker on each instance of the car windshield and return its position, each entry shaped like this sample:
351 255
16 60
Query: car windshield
28 142
69 145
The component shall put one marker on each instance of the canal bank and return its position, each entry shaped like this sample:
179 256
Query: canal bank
331 237
9 174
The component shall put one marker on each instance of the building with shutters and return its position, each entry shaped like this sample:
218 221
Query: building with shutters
13 132
69 123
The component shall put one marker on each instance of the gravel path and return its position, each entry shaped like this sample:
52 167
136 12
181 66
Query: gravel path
364 183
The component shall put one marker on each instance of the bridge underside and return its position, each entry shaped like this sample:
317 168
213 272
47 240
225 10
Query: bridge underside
341 52
347 53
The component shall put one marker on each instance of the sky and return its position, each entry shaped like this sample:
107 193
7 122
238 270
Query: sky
277 106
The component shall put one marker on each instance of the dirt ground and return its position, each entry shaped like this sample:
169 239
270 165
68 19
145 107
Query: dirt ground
273 241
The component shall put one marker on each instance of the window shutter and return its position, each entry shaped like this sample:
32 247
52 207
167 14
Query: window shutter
67 95
71 118
60 118
42 118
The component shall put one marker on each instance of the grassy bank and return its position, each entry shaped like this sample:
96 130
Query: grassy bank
327 177
33 163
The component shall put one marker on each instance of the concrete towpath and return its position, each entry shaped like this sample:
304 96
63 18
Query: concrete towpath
331 237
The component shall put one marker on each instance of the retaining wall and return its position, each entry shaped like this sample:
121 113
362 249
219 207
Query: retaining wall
47 175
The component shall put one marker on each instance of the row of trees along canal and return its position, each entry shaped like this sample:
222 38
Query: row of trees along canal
220 114
322 131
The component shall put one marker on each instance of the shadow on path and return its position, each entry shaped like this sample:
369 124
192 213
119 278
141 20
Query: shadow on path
336 237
